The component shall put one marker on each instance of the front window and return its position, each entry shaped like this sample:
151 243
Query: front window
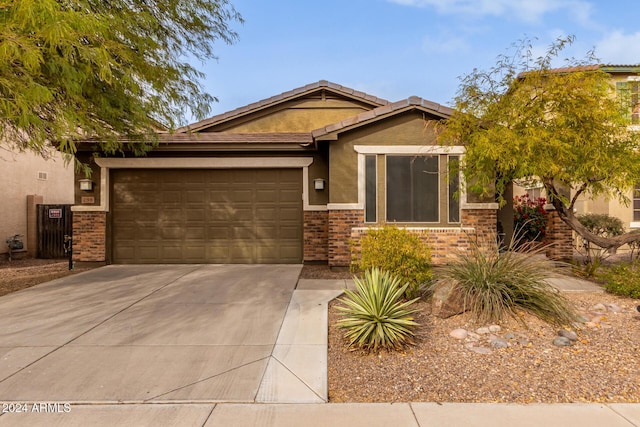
371 183
412 189
629 95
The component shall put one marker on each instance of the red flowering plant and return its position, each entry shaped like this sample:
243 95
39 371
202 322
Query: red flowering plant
530 217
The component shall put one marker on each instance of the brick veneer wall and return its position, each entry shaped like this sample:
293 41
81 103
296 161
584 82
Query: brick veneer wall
478 226
445 242
89 236
341 222
316 235
484 222
560 237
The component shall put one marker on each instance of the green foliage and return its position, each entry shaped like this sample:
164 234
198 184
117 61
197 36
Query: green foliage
530 217
375 316
496 284
104 69
397 251
623 279
521 119
602 224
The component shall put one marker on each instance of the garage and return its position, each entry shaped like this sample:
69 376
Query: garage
206 216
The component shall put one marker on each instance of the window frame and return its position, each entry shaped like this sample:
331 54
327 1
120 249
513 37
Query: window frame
438 190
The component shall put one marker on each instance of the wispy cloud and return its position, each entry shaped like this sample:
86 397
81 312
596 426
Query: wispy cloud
524 10
445 44
619 48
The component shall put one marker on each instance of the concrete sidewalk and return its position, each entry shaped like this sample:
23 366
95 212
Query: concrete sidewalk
336 414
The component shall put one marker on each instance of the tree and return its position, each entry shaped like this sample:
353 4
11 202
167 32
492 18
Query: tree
104 69
563 127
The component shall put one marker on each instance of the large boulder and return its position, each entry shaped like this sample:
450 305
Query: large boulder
446 300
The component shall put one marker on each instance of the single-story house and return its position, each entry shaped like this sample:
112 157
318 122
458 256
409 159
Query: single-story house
294 178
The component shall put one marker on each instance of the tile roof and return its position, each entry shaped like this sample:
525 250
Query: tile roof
301 138
285 96
609 68
413 102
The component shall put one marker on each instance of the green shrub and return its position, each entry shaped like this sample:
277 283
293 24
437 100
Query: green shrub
374 315
602 224
498 284
399 252
623 279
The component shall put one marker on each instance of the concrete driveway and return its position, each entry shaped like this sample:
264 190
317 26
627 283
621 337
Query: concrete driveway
133 334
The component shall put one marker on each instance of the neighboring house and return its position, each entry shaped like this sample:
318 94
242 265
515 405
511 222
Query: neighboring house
294 178
27 174
626 79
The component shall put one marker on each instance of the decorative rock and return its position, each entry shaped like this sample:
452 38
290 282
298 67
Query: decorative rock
568 334
598 308
509 336
524 342
494 328
614 308
473 336
561 341
447 300
498 343
482 330
481 350
458 334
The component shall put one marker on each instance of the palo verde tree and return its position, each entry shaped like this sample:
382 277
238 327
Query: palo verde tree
563 127
104 69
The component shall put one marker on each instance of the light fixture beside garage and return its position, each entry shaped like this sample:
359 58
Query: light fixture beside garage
85 184
318 184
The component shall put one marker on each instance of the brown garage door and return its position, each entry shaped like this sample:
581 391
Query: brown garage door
207 216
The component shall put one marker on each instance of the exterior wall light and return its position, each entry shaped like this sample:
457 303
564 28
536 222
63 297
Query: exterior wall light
318 184
86 184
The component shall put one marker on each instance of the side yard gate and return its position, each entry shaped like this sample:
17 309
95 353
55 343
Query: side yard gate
54 221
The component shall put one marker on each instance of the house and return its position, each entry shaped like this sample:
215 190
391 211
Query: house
626 79
29 179
297 177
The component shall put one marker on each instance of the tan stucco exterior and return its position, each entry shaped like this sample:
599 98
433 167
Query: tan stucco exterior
302 115
405 129
26 174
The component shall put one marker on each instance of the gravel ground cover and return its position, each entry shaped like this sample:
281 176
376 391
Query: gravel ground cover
601 365
23 273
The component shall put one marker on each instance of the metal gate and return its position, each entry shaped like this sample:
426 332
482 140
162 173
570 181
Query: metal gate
54 221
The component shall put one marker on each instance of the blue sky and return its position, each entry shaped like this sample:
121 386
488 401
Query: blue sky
394 49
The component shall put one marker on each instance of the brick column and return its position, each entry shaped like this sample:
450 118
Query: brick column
485 223
316 235
340 224
560 237
89 236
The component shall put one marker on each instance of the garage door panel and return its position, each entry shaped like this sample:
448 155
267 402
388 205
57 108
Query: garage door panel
207 216
289 233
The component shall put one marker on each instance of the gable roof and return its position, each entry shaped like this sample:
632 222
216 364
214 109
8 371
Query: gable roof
300 92
331 131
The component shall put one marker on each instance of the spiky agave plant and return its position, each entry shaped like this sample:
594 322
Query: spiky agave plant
374 315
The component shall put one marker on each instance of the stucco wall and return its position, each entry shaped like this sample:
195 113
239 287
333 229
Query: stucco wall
19 174
302 115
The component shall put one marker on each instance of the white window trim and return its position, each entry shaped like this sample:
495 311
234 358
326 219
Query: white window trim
415 150
198 163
